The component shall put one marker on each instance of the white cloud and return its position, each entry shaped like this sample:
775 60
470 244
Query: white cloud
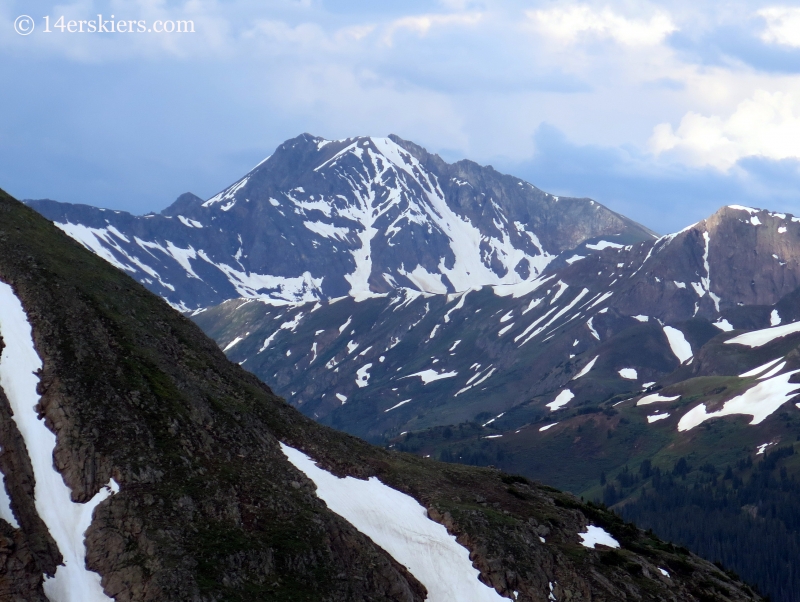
577 22
422 24
766 125
783 25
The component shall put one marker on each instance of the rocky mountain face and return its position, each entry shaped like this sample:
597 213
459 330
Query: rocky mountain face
118 416
322 219
407 360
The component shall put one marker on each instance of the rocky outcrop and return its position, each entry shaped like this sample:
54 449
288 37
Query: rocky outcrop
20 573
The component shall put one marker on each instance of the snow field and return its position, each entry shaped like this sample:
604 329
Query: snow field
66 520
400 525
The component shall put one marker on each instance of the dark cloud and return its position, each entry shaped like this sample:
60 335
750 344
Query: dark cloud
663 197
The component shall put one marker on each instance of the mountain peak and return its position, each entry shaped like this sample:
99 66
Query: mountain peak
362 216
182 204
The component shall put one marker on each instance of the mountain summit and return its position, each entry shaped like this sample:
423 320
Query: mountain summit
321 219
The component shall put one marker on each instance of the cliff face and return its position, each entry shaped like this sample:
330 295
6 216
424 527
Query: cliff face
202 504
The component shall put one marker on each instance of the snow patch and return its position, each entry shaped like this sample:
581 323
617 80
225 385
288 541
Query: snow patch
547 426
66 520
328 230
759 402
425 280
759 338
655 398
400 525
629 373
656 417
590 326
562 399
585 370
428 376
759 369
604 244
362 375
762 448
190 223
597 535
394 407
723 325
678 343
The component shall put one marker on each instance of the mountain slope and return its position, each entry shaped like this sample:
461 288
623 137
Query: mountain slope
534 378
320 219
631 315
202 502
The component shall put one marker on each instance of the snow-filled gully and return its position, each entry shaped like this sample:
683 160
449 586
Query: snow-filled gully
66 520
400 525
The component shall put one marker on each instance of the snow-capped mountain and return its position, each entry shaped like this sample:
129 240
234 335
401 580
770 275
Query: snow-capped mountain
138 463
412 360
322 219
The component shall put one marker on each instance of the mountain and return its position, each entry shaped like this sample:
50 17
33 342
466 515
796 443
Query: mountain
322 219
616 374
194 481
454 312
631 314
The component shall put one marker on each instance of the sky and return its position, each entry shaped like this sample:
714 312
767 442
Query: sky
661 111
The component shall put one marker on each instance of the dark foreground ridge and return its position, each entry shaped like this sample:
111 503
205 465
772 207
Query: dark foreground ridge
210 509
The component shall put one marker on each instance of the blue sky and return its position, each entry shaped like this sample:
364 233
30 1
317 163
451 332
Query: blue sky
662 111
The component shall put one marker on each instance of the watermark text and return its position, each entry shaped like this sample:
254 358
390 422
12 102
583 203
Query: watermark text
25 25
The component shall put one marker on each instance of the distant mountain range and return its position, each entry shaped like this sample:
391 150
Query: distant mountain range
462 314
